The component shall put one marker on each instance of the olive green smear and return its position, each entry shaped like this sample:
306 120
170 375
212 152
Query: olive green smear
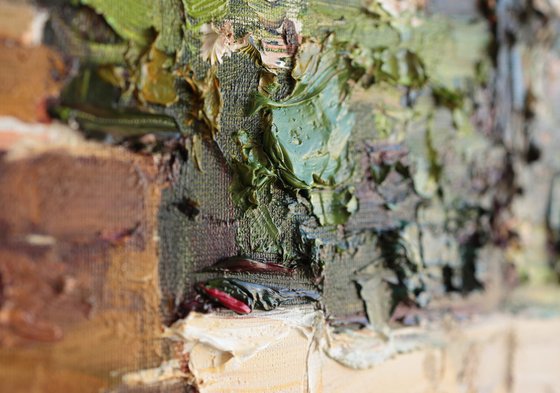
90 52
204 100
117 123
253 174
333 207
206 10
134 21
157 83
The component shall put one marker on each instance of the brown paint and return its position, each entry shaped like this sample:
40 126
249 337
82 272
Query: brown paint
16 19
27 79
79 301
78 199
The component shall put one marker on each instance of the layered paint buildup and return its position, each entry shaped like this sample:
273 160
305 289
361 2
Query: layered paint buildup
330 172
293 348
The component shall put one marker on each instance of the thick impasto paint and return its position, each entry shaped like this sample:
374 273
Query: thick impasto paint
270 195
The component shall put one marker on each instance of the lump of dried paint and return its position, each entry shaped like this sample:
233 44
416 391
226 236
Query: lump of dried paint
253 174
307 140
365 348
205 11
134 20
403 67
157 83
245 336
129 18
71 42
376 295
204 99
249 180
231 292
216 43
222 348
118 123
375 43
333 207
306 146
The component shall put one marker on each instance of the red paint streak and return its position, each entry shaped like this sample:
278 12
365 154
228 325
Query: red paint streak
228 300
42 113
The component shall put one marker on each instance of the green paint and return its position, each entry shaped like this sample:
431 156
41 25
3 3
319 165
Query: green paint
206 10
134 20
376 294
157 83
264 236
306 145
307 141
89 52
259 296
253 175
316 67
302 179
131 19
119 123
333 207
204 100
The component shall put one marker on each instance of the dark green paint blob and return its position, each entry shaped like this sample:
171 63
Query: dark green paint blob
259 296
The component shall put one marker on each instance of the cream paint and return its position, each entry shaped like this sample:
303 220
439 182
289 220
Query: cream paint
34 34
286 350
20 138
22 22
293 350
262 352
241 337
167 372
365 348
